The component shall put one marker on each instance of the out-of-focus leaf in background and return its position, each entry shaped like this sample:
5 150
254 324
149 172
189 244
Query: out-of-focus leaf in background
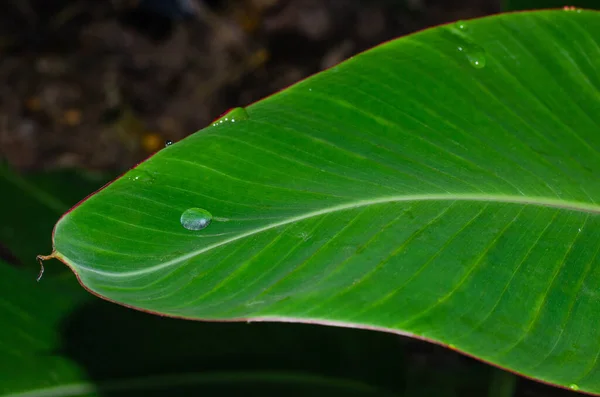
32 202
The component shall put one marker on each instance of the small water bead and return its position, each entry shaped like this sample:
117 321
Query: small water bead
239 114
475 55
168 142
461 25
574 387
304 236
196 219
233 116
137 175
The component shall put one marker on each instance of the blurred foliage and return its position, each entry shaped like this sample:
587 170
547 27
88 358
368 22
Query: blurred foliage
516 5
34 202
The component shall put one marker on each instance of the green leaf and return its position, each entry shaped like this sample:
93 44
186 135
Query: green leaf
441 185
30 314
58 341
31 204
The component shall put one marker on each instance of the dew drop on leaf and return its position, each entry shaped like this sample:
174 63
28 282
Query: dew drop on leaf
475 55
195 219
573 386
461 25
136 175
235 115
168 143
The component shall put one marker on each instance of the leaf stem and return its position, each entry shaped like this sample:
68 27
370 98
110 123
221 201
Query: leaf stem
41 259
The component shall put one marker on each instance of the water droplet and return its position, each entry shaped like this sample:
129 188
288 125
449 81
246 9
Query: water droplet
138 175
304 236
462 25
573 386
196 219
475 55
168 142
233 116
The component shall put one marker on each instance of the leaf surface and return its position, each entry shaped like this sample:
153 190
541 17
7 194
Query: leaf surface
442 185
57 340
60 341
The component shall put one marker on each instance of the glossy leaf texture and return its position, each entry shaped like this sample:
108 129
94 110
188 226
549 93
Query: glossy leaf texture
58 340
442 185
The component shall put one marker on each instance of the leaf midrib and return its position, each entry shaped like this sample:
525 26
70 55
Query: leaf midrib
534 201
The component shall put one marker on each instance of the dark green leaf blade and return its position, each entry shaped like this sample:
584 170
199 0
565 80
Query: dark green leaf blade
29 338
441 185
57 340
33 202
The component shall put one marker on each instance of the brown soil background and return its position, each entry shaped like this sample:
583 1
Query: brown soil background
101 84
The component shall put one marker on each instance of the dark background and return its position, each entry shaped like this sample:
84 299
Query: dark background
101 84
